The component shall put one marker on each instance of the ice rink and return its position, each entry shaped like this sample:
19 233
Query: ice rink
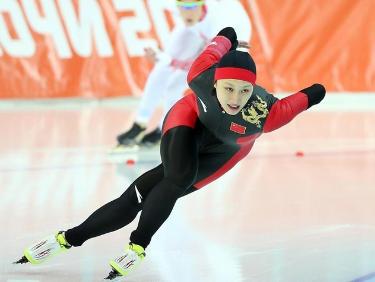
275 217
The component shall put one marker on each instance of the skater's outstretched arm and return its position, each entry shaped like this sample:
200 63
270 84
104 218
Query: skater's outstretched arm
225 40
284 110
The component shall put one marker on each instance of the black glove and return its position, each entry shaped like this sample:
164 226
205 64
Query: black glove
230 33
315 93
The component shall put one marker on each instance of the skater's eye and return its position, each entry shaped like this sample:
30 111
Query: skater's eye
245 91
229 89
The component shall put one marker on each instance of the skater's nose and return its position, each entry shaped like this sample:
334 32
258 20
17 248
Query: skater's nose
234 98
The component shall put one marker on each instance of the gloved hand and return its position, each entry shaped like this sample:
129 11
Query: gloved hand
315 94
230 33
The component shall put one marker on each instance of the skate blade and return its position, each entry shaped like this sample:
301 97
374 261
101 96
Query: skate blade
121 153
22 260
149 145
122 149
113 275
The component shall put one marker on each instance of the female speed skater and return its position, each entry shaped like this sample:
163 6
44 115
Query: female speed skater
204 135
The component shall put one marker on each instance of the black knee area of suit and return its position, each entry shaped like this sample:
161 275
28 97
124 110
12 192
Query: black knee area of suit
129 198
315 94
183 178
177 187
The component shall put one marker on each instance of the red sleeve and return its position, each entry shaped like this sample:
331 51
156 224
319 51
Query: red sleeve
218 47
284 110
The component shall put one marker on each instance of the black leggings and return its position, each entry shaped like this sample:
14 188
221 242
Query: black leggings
156 191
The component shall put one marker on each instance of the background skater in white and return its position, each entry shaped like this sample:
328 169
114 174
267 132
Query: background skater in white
166 82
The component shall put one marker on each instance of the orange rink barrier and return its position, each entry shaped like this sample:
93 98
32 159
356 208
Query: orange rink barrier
275 217
94 48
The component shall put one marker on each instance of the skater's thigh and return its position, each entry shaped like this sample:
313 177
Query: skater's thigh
172 95
179 153
214 164
159 74
156 85
176 85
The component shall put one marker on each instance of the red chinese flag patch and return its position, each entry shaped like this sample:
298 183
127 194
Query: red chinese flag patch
237 128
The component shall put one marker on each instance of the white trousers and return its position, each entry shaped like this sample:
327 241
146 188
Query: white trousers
165 85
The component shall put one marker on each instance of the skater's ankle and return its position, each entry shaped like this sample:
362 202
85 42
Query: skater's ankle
61 238
138 249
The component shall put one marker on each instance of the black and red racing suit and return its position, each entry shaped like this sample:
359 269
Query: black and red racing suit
200 143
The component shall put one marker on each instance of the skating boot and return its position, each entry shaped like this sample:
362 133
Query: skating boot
127 262
132 136
151 139
45 249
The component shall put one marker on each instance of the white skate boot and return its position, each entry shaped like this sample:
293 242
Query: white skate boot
127 262
45 249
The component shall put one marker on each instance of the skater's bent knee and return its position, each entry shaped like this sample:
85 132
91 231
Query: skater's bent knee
179 184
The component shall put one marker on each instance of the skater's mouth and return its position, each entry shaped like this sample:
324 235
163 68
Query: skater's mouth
233 107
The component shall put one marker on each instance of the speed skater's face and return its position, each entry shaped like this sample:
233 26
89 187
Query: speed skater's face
233 94
191 11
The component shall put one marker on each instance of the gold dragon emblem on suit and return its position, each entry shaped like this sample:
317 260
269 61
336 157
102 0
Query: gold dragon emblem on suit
255 111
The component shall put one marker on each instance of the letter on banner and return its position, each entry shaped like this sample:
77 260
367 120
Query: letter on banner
130 26
86 28
49 24
23 45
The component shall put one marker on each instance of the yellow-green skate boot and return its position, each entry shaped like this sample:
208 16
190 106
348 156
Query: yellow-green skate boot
45 249
127 262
